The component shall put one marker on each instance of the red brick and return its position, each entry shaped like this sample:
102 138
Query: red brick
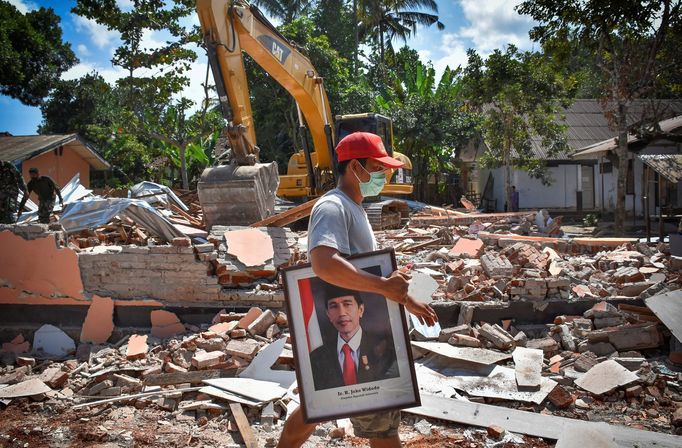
467 247
560 397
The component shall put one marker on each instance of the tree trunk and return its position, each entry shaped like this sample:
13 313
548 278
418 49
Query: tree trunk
183 166
381 42
357 37
622 154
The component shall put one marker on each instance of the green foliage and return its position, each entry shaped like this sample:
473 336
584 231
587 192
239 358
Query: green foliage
32 53
383 21
286 10
429 119
591 219
519 97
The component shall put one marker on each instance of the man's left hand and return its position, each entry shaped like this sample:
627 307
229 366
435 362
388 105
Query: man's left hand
422 310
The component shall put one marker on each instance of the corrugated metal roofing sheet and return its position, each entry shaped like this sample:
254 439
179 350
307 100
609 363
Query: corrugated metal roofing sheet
667 165
588 126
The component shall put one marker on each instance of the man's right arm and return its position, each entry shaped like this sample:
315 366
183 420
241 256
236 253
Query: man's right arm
330 266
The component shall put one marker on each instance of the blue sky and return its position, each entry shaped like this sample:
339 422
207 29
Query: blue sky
482 25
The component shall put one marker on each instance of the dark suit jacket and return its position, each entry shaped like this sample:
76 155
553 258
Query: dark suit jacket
382 363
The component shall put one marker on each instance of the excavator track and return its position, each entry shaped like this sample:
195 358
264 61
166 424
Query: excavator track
388 214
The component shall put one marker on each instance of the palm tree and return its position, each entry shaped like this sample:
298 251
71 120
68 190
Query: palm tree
285 10
386 20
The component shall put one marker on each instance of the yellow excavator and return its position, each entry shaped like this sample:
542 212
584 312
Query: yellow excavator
240 189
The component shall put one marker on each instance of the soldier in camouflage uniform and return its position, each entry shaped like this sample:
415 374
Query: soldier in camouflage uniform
10 184
46 189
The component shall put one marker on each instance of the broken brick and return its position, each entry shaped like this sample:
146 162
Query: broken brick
246 348
261 323
165 324
223 327
461 340
468 248
137 347
560 397
17 345
495 432
54 377
250 316
203 360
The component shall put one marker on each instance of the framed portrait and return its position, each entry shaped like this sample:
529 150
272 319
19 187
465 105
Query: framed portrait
352 348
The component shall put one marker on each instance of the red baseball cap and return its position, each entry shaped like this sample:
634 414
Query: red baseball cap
365 145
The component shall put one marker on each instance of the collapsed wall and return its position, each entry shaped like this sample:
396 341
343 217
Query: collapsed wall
37 264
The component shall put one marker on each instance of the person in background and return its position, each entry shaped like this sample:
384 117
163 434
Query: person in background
515 199
10 184
46 190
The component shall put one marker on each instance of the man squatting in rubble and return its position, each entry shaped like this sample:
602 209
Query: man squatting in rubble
339 227
10 184
46 190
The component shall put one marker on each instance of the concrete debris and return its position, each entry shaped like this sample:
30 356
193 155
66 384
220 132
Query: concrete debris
605 377
552 325
52 341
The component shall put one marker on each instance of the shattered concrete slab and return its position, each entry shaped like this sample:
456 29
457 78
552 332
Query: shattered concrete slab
262 391
467 354
422 286
52 341
668 308
501 383
29 388
605 377
528 367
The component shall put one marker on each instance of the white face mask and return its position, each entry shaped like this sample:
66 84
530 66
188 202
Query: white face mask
374 185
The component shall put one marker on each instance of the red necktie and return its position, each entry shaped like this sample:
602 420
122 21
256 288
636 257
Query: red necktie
348 367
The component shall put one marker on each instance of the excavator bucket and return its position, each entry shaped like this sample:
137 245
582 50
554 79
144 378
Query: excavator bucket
238 195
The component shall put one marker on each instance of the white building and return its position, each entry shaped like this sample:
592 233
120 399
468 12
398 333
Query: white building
585 177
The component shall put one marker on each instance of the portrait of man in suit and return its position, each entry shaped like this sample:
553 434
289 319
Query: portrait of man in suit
353 353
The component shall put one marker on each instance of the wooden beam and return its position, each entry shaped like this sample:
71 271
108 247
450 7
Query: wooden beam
287 217
195 377
130 397
243 425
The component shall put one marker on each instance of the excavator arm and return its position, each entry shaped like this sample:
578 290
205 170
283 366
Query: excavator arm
230 27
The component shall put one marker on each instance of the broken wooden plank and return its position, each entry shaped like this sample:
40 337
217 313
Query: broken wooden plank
530 423
528 367
196 377
287 217
244 426
255 389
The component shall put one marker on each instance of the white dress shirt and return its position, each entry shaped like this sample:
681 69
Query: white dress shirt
354 344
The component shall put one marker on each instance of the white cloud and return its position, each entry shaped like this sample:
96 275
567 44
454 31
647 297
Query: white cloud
99 34
125 5
23 6
454 53
110 74
83 50
494 24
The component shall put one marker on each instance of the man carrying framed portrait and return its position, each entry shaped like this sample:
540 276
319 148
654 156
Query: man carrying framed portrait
339 228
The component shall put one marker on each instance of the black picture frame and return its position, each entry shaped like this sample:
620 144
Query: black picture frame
398 390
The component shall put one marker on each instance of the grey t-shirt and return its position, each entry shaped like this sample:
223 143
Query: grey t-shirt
339 222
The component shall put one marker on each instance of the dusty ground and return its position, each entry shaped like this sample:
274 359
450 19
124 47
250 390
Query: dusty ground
39 425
